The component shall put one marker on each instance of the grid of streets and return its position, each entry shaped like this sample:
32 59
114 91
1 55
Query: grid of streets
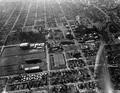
67 64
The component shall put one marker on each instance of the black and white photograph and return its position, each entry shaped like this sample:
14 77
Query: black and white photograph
59 46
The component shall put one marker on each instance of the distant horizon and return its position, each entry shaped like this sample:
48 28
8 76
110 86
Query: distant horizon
9 0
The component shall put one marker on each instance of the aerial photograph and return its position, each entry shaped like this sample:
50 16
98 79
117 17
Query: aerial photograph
59 46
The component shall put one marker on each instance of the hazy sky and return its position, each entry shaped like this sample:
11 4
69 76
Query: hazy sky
9 0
